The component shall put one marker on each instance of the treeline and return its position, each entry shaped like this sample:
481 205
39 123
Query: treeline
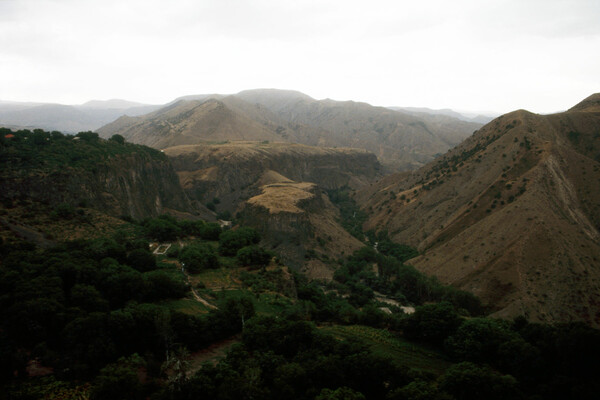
38 149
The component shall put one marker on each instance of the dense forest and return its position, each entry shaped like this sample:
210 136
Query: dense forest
124 316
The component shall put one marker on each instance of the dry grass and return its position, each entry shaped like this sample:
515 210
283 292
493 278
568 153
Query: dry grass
283 197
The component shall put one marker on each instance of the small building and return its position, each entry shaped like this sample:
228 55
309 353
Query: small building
224 224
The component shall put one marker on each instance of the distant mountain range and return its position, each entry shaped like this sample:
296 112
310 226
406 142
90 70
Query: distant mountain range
470 117
512 214
68 119
399 140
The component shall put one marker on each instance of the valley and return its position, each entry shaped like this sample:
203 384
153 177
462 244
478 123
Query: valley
303 249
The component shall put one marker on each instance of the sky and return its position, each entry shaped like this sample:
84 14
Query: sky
480 55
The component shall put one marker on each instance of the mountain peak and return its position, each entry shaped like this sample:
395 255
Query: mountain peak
273 94
589 104
111 104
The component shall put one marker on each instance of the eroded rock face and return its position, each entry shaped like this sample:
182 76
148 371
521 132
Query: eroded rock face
130 184
234 172
294 217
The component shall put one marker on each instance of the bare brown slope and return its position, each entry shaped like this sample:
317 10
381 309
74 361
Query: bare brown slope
589 104
234 172
191 122
512 214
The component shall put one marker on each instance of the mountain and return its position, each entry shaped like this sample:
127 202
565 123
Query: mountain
399 140
213 170
470 117
115 104
512 214
68 118
194 121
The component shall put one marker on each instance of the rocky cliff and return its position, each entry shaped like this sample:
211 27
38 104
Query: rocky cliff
296 217
118 179
234 172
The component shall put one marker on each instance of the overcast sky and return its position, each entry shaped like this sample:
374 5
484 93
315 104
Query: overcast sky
496 55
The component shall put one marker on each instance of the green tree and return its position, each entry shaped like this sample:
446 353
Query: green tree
162 228
119 380
210 231
198 256
432 323
88 136
479 339
141 260
117 139
341 393
231 241
88 298
467 381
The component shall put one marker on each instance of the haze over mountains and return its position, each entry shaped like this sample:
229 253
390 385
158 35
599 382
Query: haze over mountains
512 214
470 117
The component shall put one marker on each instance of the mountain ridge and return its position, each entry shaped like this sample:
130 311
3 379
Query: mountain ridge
400 141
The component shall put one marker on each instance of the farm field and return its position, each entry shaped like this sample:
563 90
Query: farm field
387 344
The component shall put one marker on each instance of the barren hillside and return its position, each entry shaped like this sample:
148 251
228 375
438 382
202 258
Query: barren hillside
512 214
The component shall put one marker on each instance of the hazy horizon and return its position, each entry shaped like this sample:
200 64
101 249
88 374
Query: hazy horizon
466 56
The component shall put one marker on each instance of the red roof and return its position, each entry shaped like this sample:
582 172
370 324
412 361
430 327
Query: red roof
10 135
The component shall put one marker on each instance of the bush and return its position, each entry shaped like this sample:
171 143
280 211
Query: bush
117 139
253 256
64 211
198 257
468 381
162 228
